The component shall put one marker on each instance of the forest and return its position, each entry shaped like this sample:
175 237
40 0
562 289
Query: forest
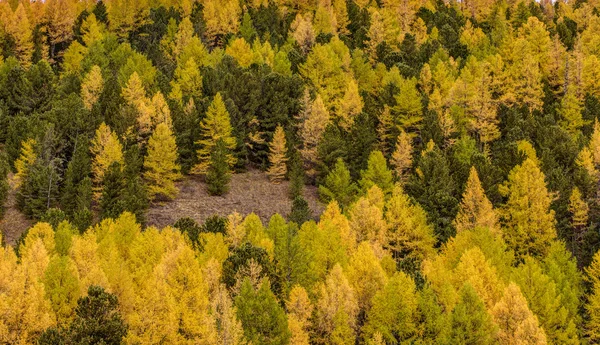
454 147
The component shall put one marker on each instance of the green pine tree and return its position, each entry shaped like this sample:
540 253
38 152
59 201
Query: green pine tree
218 174
338 186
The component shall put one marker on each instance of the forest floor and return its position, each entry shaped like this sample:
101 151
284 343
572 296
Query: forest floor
13 222
248 192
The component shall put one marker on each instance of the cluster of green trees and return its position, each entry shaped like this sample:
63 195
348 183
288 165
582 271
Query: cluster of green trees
456 144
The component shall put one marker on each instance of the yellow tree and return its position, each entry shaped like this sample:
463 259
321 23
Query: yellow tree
313 121
593 303
187 82
410 237
26 159
402 156
221 17
529 221
215 126
594 144
92 31
106 150
277 156
337 309
516 323
365 274
475 208
351 106
20 29
161 165
303 32
570 111
241 51
299 312
60 16
91 87
408 105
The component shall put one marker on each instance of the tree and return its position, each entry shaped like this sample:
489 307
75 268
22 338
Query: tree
516 323
61 283
221 18
593 304
300 211
475 209
529 221
401 158
97 321
214 127
299 312
20 29
106 150
219 173
410 237
303 32
338 186
91 87
111 201
312 123
336 309
366 276
25 161
408 106
470 322
570 111
278 156
73 197
352 105
270 326
394 311
377 173
161 163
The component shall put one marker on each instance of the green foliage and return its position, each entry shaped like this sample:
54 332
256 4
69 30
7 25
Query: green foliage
338 186
263 319
300 211
377 174
470 322
218 174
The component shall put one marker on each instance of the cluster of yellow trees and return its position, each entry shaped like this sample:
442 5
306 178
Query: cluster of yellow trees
510 284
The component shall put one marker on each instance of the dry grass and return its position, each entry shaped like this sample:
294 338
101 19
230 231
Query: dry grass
13 222
249 192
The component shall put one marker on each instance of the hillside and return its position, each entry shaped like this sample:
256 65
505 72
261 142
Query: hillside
250 192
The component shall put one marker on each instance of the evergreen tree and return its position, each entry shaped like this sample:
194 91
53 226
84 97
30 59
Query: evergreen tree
516 323
338 186
214 127
270 326
470 322
300 211
377 173
111 202
97 321
106 150
475 209
78 170
394 311
529 221
218 174
401 158
91 87
160 164
277 156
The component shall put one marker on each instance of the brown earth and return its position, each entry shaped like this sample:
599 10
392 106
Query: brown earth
248 192
13 222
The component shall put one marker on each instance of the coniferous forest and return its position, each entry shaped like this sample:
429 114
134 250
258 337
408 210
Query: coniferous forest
453 146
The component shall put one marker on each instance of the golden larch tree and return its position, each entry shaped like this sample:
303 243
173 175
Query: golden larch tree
277 156
221 18
161 165
106 149
313 122
91 87
352 105
475 210
402 158
516 323
26 159
215 125
21 31
529 224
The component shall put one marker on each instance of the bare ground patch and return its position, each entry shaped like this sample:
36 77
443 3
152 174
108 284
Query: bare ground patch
248 192
13 222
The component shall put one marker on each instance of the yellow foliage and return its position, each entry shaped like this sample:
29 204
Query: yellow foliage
106 149
161 165
475 208
26 159
91 87
278 156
